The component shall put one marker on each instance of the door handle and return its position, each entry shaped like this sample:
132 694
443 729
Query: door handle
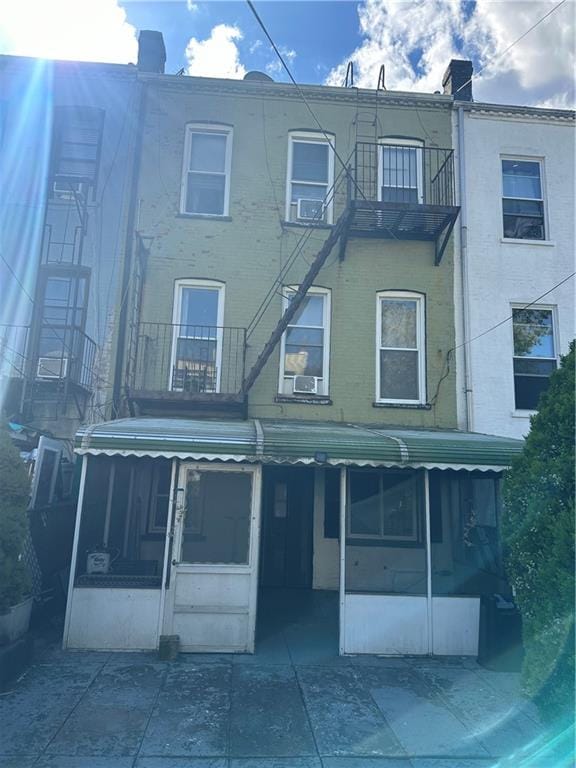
175 562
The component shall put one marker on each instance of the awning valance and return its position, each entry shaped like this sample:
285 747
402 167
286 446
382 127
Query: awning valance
297 442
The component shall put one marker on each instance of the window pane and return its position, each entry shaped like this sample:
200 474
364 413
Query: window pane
399 323
399 506
300 360
205 193
524 228
208 152
199 307
527 391
399 195
365 503
308 192
534 366
310 161
217 517
312 337
521 179
523 208
533 335
400 166
310 312
398 375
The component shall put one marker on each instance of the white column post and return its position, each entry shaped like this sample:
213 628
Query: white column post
75 550
343 497
429 614
165 566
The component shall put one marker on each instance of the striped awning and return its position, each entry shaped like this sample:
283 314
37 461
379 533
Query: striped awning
297 442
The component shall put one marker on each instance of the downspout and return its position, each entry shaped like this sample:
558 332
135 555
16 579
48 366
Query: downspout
464 270
128 253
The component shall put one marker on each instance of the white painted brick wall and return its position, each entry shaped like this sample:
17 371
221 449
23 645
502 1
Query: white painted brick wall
501 274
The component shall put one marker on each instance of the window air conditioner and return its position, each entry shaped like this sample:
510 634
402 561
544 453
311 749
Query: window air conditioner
52 367
310 210
305 385
67 190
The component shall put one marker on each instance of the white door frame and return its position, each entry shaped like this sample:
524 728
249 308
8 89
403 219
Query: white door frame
251 568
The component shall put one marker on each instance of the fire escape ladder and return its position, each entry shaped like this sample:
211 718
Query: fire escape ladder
339 231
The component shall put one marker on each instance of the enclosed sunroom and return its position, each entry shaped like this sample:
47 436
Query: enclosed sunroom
197 528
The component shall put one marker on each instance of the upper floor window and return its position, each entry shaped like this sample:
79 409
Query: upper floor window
310 179
400 349
206 177
305 345
400 171
197 336
522 199
534 354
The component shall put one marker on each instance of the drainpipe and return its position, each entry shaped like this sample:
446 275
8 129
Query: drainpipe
464 271
128 253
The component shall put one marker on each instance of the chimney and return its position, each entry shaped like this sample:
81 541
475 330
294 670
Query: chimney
151 51
457 80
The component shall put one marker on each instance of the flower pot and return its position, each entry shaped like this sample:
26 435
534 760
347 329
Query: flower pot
14 624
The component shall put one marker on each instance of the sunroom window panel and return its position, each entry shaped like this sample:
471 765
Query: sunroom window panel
365 514
399 500
399 374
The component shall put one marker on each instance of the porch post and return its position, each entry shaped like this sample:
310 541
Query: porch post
343 496
165 566
111 478
429 614
75 550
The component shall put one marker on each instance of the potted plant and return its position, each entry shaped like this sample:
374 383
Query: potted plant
15 600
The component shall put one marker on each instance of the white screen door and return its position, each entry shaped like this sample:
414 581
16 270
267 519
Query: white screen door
211 602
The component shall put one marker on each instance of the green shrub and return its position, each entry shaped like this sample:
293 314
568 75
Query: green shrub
538 536
14 492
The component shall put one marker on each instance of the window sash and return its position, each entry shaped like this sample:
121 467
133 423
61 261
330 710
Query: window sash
206 192
383 533
419 382
307 345
319 189
519 224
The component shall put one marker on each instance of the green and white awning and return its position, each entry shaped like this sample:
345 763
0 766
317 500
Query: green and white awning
297 442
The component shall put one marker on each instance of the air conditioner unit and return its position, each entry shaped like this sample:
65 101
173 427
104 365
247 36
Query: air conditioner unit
66 189
310 210
305 385
52 367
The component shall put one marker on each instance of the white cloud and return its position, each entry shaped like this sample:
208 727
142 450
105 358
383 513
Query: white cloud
192 6
255 45
275 67
415 40
82 30
218 55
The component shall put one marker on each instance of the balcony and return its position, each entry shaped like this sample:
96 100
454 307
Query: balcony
403 192
185 368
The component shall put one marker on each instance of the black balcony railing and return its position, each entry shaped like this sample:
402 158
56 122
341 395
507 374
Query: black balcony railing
59 353
399 173
192 359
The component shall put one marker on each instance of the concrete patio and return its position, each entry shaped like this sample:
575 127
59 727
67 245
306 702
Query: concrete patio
294 704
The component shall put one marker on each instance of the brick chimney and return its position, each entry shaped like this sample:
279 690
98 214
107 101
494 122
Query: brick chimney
151 52
457 80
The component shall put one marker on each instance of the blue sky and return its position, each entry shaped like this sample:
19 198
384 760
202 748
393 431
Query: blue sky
415 39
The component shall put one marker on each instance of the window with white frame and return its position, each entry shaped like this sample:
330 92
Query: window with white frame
305 345
523 199
400 364
535 356
383 505
197 336
206 177
309 179
400 171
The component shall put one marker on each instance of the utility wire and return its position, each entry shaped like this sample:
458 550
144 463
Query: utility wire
505 51
510 317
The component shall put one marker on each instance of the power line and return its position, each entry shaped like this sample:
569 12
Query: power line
505 51
15 276
510 317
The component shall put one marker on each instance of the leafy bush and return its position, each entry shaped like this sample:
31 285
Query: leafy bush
14 492
538 535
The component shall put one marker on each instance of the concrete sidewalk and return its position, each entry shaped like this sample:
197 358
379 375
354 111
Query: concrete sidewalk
294 704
